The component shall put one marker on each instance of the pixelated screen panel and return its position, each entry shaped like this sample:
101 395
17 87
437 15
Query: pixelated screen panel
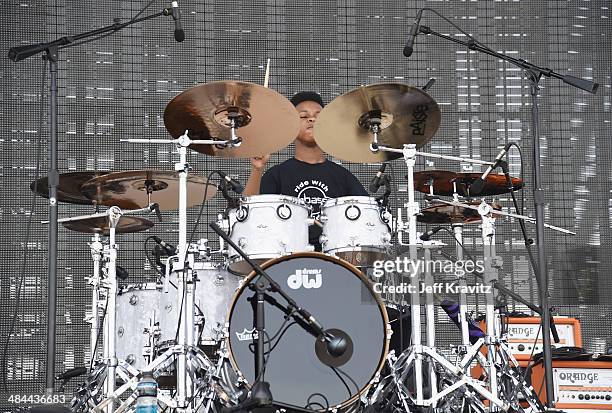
118 86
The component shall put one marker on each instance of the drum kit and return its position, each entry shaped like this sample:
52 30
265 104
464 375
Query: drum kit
197 327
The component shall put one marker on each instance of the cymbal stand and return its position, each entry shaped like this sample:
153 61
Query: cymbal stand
417 351
490 274
457 228
109 353
186 286
93 318
430 316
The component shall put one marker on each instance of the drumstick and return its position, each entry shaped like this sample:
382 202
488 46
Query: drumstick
267 77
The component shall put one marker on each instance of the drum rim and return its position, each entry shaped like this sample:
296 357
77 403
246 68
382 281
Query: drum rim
345 264
352 199
259 199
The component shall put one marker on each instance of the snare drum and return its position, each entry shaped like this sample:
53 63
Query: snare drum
341 298
266 227
356 229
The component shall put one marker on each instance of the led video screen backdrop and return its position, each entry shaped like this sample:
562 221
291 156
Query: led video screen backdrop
117 87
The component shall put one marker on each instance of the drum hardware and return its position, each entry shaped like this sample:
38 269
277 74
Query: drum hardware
182 266
409 153
93 318
114 215
487 209
499 359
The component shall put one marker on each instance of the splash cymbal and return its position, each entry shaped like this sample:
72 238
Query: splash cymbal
442 182
69 188
266 120
406 115
100 225
128 190
451 214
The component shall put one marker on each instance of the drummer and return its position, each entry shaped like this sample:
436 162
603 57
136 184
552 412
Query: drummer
309 175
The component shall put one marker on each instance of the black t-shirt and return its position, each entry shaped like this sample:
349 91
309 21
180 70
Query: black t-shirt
312 183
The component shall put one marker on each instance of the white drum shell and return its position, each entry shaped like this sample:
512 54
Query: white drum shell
356 229
266 227
146 307
215 290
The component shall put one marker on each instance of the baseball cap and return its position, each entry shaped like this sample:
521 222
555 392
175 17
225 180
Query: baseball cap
307 96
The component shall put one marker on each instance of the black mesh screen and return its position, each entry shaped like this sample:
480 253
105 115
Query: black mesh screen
117 87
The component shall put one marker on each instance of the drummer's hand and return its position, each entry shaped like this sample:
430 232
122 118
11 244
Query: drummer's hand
259 162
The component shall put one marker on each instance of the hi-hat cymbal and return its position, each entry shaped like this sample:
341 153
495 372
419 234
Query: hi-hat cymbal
407 115
451 214
100 225
69 188
442 183
128 190
267 121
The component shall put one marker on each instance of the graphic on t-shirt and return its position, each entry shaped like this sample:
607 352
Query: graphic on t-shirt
314 193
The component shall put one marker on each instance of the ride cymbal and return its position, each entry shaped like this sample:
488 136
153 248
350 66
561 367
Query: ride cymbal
442 183
406 115
129 190
100 225
69 188
266 120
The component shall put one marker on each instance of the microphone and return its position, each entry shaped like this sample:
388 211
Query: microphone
121 272
375 182
179 33
170 249
412 35
478 184
155 208
68 374
427 235
236 186
336 346
429 84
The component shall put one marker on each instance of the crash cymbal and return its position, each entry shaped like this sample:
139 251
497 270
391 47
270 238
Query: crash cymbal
128 190
407 115
267 121
69 188
442 182
100 225
451 214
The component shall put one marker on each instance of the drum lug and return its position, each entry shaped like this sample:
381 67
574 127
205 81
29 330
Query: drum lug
352 212
323 218
386 238
283 212
242 213
385 216
242 242
323 240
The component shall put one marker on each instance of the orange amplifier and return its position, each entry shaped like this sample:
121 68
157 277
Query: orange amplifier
580 386
522 332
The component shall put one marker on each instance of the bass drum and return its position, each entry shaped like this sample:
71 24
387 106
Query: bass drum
340 298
